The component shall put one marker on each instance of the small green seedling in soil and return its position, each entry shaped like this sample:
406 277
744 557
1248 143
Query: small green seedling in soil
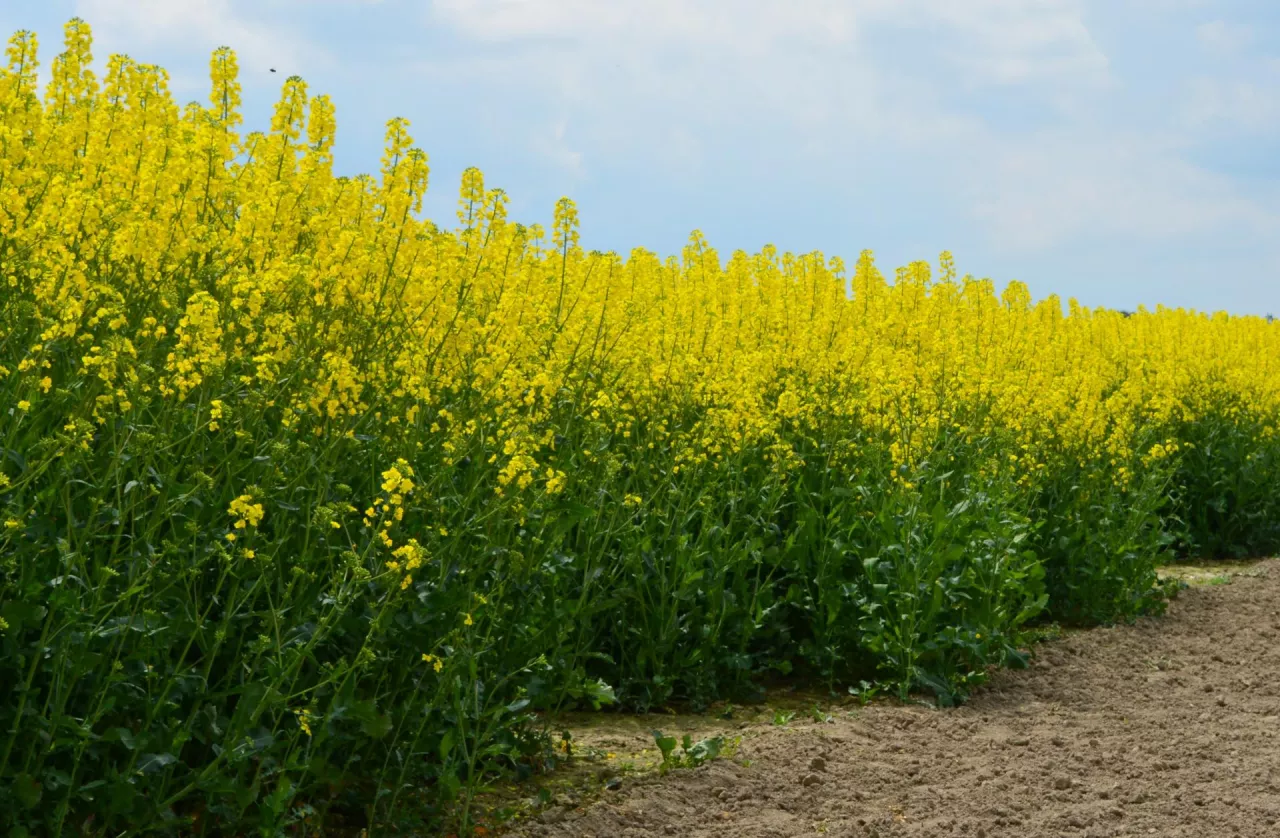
864 692
691 755
819 715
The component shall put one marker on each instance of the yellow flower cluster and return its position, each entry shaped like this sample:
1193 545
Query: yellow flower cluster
408 558
333 297
304 717
388 509
246 512
1161 450
216 412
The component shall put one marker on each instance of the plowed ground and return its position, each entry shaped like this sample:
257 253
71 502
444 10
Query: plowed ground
1168 727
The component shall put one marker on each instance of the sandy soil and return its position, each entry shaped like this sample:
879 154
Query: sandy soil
1170 727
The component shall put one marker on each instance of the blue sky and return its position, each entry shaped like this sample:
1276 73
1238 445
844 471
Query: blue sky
1123 152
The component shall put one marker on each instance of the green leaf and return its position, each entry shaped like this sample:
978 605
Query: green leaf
666 744
1032 610
151 763
599 693
705 750
376 727
121 797
1017 659
16 614
27 790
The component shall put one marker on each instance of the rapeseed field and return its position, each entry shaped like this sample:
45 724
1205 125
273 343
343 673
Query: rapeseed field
309 505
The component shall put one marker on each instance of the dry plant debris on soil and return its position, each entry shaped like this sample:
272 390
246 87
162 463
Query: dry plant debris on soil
1167 727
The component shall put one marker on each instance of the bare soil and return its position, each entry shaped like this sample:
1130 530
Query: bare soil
1168 727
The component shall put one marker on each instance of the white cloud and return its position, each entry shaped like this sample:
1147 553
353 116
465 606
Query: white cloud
1232 106
1065 185
199 25
745 26
1163 8
1224 38
1007 41
811 64
553 146
996 40
676 79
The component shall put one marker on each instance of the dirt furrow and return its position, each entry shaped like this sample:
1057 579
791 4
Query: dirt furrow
1168 727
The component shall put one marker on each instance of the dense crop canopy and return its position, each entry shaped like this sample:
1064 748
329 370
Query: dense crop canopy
304 496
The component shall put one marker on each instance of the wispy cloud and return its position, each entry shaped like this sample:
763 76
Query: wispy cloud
553 146
811 65
1234 105
1224 38
991 40
1066 187
876 79
745 26
198 26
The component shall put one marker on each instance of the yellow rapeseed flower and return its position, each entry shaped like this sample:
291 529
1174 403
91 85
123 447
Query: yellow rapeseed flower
246 512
